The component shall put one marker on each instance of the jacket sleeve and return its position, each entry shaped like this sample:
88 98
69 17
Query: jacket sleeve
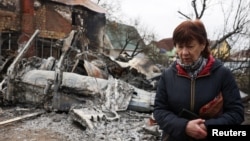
233 108
169 122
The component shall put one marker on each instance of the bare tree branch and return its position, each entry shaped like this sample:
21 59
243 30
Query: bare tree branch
224 38
184 15
203 9
195 9
240 22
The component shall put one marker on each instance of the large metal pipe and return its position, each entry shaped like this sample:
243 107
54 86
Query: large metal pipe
12 70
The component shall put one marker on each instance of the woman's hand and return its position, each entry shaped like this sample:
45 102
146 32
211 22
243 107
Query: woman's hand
196 129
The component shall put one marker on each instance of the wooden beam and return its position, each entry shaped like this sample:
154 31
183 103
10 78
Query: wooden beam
20 118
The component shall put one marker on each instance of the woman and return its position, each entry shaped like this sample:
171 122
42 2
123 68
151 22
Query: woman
195 79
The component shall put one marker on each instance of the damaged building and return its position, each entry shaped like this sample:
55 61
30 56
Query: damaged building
55 19
53 58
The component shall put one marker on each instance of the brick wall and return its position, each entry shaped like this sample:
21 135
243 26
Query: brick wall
51 24
8 22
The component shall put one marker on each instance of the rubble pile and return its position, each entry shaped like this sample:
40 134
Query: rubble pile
104 101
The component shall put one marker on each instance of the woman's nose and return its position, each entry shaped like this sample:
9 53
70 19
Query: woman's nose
185 50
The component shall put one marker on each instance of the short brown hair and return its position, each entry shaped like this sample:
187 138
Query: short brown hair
190 30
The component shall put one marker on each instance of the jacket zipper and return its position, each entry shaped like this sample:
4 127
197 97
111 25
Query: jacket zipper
192 97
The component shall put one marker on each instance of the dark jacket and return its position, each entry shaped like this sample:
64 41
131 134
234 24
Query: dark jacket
176 90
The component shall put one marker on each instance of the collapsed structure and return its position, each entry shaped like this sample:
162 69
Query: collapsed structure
51 63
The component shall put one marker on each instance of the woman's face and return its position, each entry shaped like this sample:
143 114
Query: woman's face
189 53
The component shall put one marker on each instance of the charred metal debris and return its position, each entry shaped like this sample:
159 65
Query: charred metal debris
61 64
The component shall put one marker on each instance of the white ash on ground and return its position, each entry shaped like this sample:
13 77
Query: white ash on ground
53 126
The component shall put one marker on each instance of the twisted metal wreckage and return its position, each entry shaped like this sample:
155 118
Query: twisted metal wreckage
43 82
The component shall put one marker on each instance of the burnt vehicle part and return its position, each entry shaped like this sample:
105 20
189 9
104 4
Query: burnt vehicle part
11 72
36 84
112 94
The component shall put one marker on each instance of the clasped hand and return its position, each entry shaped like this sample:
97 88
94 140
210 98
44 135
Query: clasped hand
196 129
